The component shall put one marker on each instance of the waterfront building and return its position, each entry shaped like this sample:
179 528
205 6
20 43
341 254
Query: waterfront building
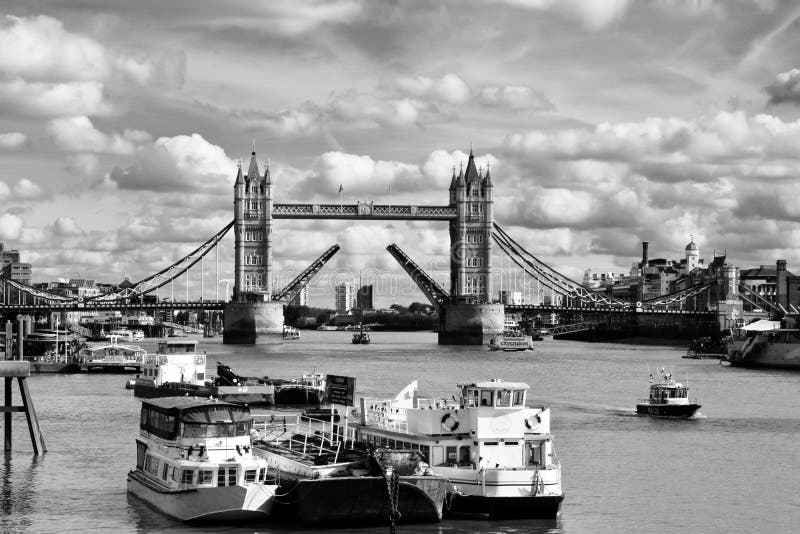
344 297
364 298
301 298
12 268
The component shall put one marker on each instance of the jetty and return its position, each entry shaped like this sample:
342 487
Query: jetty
21 370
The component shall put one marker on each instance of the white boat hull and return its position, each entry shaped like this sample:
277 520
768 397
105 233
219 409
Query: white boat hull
227 503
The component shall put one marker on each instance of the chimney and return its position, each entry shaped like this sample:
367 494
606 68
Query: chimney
645 244
781 290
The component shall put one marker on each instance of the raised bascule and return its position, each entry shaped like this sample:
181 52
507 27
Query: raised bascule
466 312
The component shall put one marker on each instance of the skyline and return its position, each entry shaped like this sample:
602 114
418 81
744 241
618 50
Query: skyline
605 125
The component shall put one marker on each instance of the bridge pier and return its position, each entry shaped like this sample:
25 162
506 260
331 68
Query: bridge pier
253 323
470 324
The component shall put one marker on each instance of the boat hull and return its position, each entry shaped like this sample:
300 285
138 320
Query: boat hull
297 395
54 367
667 410
534 507
764 354
361 500
227 503
236 395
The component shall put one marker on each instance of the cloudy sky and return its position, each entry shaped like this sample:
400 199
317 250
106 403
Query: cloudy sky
606 123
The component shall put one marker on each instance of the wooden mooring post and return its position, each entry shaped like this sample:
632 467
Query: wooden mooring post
10 369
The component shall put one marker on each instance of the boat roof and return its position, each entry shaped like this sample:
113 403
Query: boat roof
185 403
497 383
199 410
178 342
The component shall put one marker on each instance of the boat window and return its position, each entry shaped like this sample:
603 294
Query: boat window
221 476
232 476
463 455
151 465
165 471
188 476
519 397
201 376
472 397
218 430
451 455
490 443
511 443
263 475
487 397
250 475
205 477
504 398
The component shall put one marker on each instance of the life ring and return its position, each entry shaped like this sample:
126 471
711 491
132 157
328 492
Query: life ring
449 422
533 420
200 359
163 360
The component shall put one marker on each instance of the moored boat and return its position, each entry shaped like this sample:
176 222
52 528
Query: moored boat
111 357
323 482
667 399
194 462
179 369
308 389
511 340
767 344
496 451
290 333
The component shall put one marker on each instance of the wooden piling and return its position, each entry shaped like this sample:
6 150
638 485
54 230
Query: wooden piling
10 369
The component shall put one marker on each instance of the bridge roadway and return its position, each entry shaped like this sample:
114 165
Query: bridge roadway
363 211
114 305
540 308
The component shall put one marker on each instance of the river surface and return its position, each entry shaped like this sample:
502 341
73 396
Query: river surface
734 468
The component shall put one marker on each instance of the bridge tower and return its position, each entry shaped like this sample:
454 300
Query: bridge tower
252 316
471 317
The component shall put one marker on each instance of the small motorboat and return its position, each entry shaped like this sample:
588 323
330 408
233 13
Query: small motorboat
667 399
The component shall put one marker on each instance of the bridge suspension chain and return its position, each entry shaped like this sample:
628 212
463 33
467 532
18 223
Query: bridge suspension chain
32 291
679 296
168 274
553 279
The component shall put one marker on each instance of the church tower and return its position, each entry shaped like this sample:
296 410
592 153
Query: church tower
253 234
471 235
692 256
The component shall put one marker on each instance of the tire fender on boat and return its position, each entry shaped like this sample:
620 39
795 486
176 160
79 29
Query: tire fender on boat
449 422
201 359
532 421
163 360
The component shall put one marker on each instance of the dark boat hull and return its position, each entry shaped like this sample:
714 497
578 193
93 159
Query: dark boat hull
360 500
147 391
537 507
668 410
54 367
298 396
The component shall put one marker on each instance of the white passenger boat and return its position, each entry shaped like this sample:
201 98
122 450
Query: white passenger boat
194 461
111 357
121 334
511 340
497 452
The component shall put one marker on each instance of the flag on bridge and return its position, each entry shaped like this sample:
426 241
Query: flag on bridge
341 188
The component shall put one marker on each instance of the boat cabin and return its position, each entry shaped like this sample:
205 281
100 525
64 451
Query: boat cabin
488 425
176 362
192 442
669 393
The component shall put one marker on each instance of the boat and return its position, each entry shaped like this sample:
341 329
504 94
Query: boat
327 328
511 340
361 337
705 347
111 357
308 389
290 333
324 482
767 344
496 451
194 462
121 334
178 369
667 399
138 335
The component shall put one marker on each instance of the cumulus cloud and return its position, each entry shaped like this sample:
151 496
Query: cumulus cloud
516 97
18 96
450 88
10 226
785 89
183 163
66 226
12 140
25 189
78 134
593 14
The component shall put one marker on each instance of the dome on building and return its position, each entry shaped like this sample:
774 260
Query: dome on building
691 246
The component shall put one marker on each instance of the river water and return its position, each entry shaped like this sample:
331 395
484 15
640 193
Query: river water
734 468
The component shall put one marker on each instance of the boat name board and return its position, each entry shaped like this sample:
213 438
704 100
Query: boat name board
341 390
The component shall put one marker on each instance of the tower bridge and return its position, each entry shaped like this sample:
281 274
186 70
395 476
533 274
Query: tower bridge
467 310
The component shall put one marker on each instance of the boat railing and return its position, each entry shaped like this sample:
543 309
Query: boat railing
304 435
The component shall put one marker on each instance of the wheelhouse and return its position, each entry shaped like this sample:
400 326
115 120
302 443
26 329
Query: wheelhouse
172 418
